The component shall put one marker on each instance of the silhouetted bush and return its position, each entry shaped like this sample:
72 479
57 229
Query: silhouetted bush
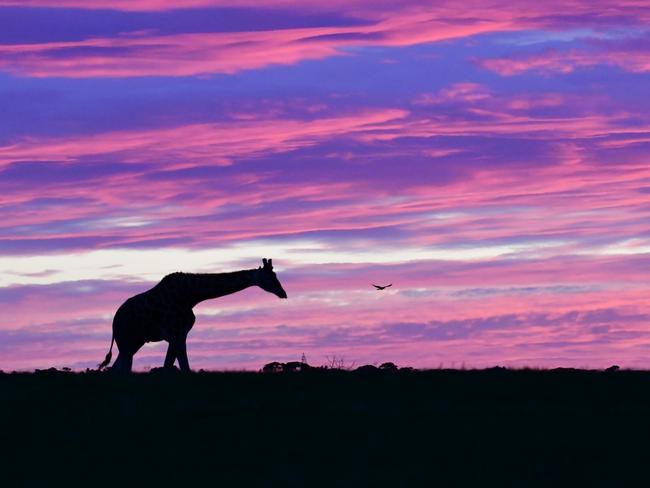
390 367
367 368
274 367
51 371
295 366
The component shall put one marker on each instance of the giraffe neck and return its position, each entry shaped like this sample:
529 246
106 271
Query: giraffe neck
206 286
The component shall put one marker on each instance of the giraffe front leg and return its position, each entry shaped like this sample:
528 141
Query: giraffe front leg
181 354
170 357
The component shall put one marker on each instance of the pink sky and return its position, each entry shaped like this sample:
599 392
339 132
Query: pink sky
490 161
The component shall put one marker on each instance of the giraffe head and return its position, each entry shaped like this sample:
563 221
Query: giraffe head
267 279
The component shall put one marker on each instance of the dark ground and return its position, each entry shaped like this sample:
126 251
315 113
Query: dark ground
327 428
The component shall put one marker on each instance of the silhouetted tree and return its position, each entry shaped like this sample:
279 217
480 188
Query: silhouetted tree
338 362
294 366
388 367
274 367
367 368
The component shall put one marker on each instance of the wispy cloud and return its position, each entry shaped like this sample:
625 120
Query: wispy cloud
146 53
217 143
632 53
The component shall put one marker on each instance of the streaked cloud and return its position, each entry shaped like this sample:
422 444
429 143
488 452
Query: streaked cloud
145 53
217 143
192 54
554 61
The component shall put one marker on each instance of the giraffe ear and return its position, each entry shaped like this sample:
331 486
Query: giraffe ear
264 262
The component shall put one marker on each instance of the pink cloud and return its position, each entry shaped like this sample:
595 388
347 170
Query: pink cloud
569 197
214 143
542 100
554 61
195 54
490 122
145 54
605 8
153 5
458 93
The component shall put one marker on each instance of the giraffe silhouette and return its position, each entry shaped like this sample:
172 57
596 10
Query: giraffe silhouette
165 311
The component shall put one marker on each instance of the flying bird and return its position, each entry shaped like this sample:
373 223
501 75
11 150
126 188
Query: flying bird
382 287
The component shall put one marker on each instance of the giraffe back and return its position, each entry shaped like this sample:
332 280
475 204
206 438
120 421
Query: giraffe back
156 314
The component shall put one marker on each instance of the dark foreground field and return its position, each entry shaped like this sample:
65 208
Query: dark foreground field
327 428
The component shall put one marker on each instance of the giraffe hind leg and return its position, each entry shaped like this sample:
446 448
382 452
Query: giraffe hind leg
123 363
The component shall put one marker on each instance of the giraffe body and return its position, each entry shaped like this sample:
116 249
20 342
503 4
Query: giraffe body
165 311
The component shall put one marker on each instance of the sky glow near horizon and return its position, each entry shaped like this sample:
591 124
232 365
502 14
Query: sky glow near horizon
491 160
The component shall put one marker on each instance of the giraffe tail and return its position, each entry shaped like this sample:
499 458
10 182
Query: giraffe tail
108 357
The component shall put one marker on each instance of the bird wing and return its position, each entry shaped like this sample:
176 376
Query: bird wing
388 285
377 286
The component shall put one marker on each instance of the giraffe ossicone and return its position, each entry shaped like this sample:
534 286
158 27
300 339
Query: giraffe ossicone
165 311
